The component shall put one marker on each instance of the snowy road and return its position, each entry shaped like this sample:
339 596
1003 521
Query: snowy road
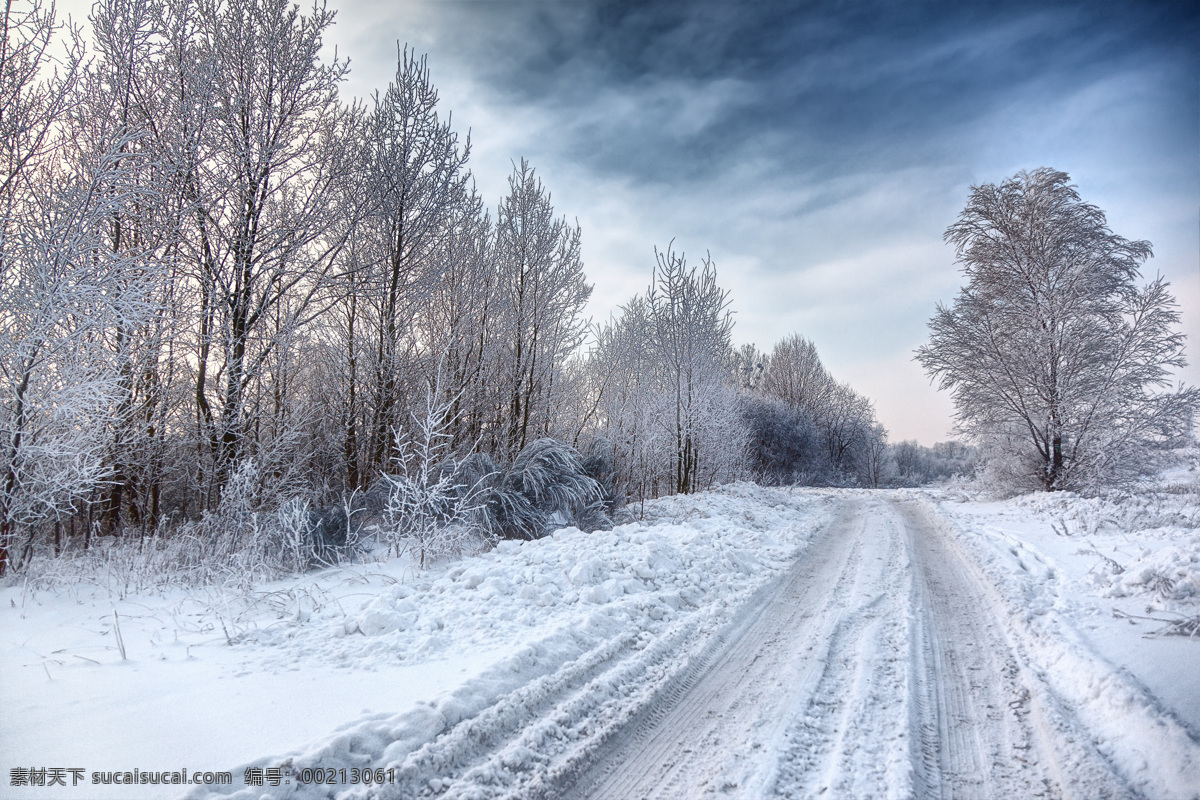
876 667
982 729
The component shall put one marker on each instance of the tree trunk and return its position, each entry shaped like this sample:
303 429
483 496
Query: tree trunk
1056 464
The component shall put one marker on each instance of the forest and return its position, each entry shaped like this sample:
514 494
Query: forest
227 292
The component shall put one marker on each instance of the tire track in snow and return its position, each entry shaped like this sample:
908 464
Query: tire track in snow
881 669
679 595
971 708
878 664
712 734
1072 730
978 723
850 737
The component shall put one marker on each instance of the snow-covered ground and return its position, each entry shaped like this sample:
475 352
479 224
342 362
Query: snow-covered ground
796 640
1103 595
364 664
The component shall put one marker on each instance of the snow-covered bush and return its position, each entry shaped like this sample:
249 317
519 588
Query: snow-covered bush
1145 543
441 504
238 546
546 487
600 464
784 447
664 384
551 475
242 539
311 537
434 514
430 503
1145 509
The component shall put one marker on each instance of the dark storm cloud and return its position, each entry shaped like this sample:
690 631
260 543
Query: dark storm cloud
671 91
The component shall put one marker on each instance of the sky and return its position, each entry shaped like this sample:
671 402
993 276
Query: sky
816 150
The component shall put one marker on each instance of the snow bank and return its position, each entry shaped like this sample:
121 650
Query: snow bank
706 550
468 679
386 666
1149 515
1168 573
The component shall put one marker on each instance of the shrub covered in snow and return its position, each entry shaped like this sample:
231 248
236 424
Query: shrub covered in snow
546 487
237 546
784 441
1168 573
429 502
441 504
550 476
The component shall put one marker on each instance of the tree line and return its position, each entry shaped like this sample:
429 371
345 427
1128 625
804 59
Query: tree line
210 260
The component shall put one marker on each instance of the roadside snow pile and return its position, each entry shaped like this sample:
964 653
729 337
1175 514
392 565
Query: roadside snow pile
582 630
706 550
1149 514
1145 545
1169 573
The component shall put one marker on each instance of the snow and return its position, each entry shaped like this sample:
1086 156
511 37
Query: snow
369 662
511 667
1082 623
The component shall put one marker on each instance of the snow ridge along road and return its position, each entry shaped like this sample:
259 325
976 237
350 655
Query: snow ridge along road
880 661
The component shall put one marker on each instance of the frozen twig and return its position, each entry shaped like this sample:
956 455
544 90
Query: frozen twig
1179 625
117 633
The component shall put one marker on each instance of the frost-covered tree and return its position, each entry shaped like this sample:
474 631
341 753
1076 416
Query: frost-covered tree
692 327
784 446
61 289
417 184
849 442
848 429
1055 355
664 384
751 364
630 401
458 320
260 150
50 390
37 89
794 374
917 465
117 99
874 457
539 295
